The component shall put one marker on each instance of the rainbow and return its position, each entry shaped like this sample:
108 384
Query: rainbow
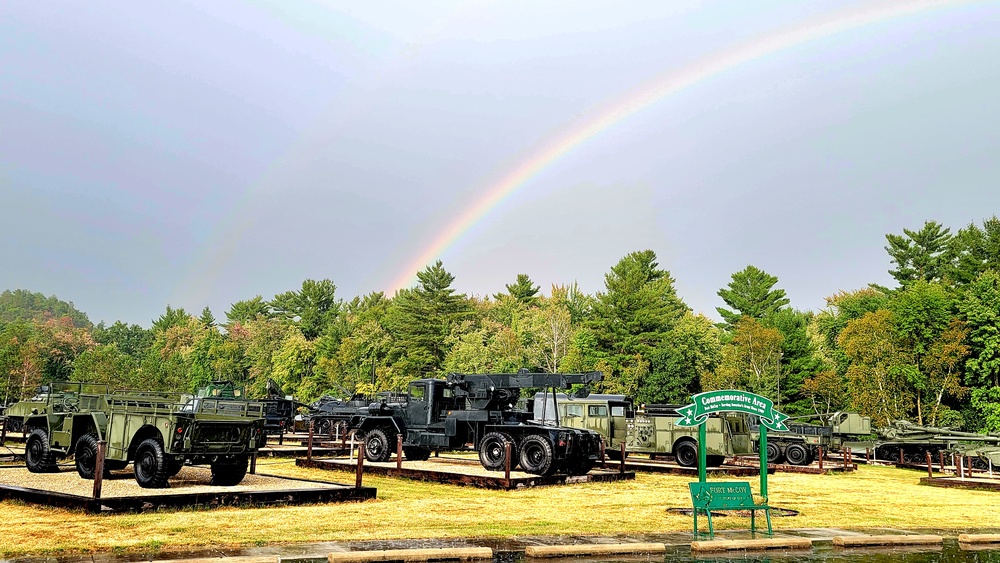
663 86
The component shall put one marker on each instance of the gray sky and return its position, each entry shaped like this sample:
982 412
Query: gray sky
201 153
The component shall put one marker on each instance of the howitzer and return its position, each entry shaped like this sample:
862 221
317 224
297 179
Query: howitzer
915 441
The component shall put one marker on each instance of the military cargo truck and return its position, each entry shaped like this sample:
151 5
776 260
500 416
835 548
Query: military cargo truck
651 430
158 433
478 412
17 412
800 445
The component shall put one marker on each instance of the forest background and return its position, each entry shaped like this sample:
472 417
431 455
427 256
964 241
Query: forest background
927 350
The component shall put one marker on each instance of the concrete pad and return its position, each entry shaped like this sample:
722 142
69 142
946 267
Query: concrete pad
592 549
862 541
458 553
751 545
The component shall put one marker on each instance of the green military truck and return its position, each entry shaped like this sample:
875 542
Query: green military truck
652 430
158 433
17 412
801 444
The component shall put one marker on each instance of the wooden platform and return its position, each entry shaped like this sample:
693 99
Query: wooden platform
975 483
463 472
672 468
188 488
829 466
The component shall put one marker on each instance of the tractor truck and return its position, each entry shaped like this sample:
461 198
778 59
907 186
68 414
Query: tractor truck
479 412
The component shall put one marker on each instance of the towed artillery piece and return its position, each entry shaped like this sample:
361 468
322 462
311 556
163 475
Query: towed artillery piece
157 432
478 412
915 441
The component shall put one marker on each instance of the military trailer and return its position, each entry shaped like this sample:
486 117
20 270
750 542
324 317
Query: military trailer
478 412
650 430
158 433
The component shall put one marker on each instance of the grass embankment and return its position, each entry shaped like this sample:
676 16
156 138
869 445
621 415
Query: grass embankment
870 497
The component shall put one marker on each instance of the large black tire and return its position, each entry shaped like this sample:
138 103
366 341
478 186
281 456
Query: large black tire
85 454
536 455
797 454
377 445
493 451
416 453
38 457
226 473
323 427
150 465
687 454
773 453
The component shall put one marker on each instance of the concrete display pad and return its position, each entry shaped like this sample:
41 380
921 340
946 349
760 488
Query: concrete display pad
463 472
188 488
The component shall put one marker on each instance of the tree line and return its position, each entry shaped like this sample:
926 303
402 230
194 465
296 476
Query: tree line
927 350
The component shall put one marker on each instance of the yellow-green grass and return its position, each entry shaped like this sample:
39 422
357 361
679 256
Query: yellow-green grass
871 497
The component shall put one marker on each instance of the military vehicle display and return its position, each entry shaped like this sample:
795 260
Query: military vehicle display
157 432
478 412
17 412
651 430
334 417
801 444
915 441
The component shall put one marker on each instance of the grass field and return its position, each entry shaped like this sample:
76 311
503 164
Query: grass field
870 497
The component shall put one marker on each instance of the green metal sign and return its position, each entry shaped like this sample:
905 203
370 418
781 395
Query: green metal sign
732 400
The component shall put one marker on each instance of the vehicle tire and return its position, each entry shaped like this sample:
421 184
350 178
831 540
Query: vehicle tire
85 454
714 460
687 454
150 464
493 451
536 455
581 467
323 427
773 453
416 453
226 473
15 425
38 457
377 445
797 454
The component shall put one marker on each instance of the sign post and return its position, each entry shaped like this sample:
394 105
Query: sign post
732 400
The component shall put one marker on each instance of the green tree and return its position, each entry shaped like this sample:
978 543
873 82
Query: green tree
107 364
977 250
925 255
207 318
752 361
980 306
524 290
129 339
751 293
631 319
313 308
248 310
24 305
421 319
800 358
875 379
921 312
690 350
551 325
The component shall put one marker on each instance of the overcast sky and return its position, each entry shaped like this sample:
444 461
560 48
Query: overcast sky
200 153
